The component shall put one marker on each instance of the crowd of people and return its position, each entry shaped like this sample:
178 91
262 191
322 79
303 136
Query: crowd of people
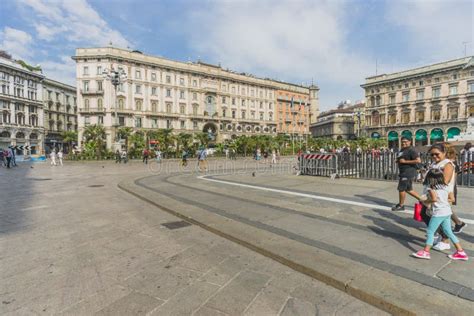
438 197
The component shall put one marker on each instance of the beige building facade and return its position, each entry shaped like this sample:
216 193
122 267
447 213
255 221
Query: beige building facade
162 93
60 113
21 107
426 104
345 122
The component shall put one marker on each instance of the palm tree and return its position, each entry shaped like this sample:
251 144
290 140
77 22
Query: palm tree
95 135
69 137
184 140
125 133
243 142
203 138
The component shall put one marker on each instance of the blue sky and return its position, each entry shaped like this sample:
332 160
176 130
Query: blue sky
334 43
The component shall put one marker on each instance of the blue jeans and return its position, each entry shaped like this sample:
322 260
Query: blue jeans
445 222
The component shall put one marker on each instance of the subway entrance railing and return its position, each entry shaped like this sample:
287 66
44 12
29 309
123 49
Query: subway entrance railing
375 165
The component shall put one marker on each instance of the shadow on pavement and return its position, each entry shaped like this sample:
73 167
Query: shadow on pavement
15 196
374 199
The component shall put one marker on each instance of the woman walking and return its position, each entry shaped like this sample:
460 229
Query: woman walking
437 199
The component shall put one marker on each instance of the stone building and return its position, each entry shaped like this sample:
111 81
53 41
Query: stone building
21 106
186 96
426 104
60 113
295 109
345 122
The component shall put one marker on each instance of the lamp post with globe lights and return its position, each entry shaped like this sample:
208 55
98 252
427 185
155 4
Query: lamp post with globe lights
116 77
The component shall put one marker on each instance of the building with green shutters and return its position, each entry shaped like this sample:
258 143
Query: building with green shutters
427 104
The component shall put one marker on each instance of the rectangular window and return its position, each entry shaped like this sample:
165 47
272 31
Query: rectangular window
435 115
168 79
168 93
233 90
243 114
138 89
233 101
100 119
223 100
154 123
99 86
153 76
223 113
99 70
182 124
195 83
406 97
195 110
153 90
470 87
121 120
261 116
85 71
453 90
182 109
168 124
138 122
138 74
392 99
86 86
181 94
168 107
233 114
195 125
436 92
195 97
181 81
87 120
420 94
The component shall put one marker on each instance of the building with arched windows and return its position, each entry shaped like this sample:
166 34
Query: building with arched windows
185 96
21 106
426 104
60 113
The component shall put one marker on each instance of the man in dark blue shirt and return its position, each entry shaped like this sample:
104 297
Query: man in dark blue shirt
407 160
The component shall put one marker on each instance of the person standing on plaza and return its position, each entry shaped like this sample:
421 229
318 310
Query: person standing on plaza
274 157
117 156
145 156
53 157
407 160
184 158
60 157
202 162
437 198
467 153
158 155
124 156
8 157
13 159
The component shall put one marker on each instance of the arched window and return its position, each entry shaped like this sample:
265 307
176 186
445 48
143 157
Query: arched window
6 117
100 104
138 105
154 107
5 134
121 104
33 136
20 135
375 118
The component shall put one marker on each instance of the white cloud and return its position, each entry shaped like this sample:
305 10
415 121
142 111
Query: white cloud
16 42
434 28
74 21
63 70
297 39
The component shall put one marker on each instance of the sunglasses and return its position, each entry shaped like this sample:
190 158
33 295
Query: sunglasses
435 155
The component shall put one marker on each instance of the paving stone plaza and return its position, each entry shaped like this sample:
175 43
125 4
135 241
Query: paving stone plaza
244 238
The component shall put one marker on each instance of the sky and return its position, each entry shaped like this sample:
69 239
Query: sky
334 44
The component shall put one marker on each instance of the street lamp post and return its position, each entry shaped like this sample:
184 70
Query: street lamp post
116 77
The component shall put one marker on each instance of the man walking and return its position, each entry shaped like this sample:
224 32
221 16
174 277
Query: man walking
53 157
60 157
145 156
8 156
407 160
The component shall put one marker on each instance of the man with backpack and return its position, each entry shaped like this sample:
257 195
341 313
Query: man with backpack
407 160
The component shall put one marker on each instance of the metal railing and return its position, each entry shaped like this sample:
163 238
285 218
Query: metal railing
377 166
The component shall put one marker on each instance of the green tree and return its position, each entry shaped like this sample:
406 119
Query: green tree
203 138
124 133
95 137
69 137
183 140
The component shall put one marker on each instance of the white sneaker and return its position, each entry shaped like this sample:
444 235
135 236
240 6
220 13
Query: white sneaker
442 246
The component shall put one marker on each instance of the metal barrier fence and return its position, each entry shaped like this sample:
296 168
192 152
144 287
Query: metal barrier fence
318 164
379 166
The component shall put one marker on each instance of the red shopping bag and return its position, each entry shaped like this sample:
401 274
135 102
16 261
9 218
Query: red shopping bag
417 212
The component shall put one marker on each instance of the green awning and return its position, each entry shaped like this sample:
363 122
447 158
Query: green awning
375 135
421 134
392 136
453 131
407 134
436 134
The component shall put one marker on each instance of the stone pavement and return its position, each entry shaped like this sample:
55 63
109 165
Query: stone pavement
72 243
361 250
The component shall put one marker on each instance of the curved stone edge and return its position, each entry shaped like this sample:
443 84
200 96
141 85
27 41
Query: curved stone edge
379 288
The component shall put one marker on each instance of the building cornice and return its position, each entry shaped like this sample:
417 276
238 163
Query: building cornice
54 83
199 68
